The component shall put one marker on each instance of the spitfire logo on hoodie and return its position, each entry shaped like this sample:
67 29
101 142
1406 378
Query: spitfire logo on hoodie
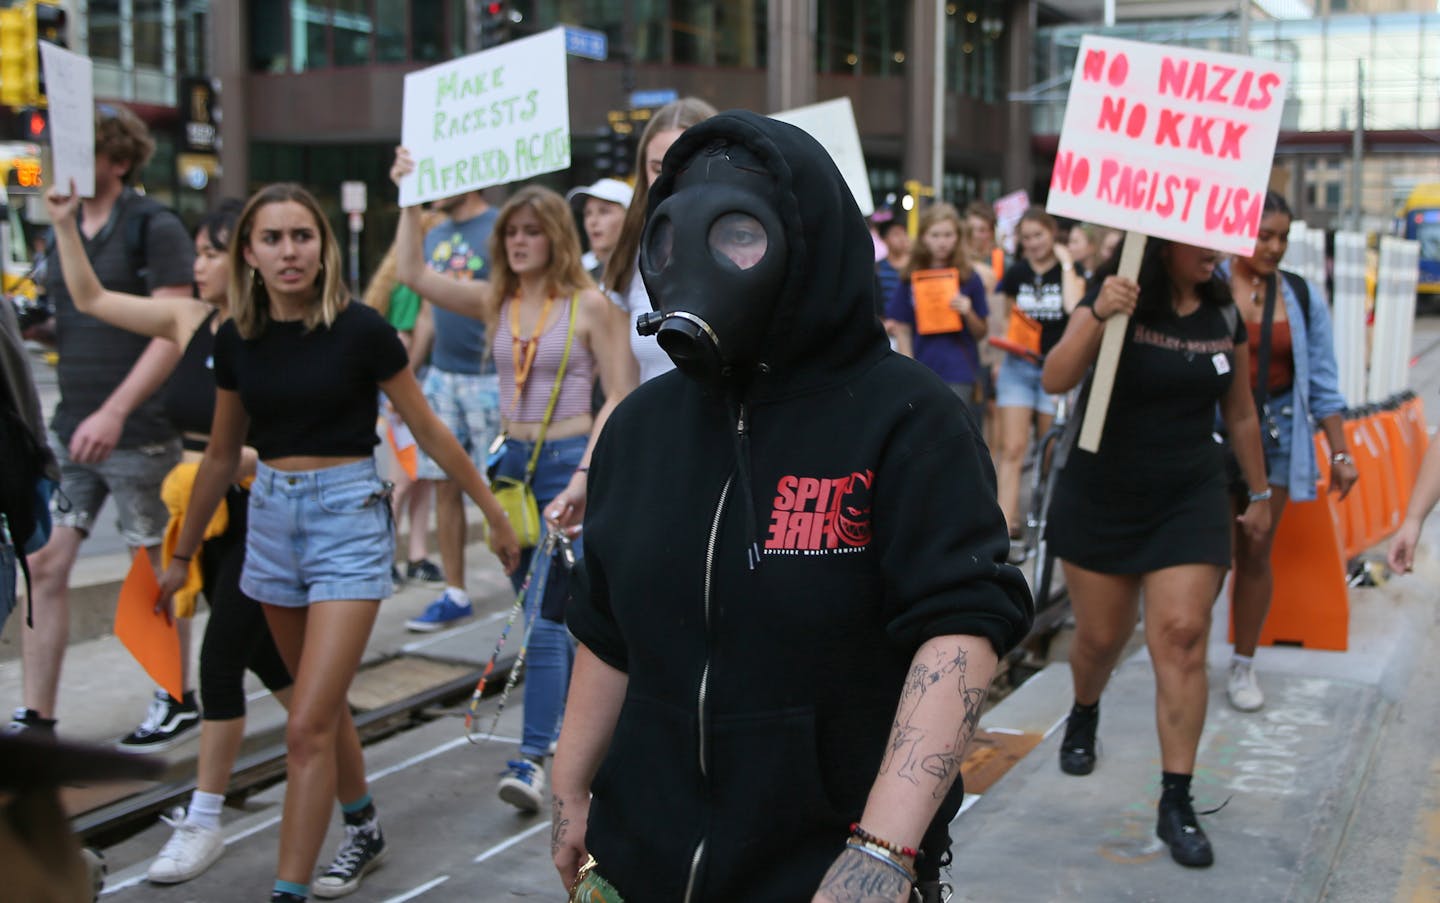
818 516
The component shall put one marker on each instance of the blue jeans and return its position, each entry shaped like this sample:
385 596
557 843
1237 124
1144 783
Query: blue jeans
550 652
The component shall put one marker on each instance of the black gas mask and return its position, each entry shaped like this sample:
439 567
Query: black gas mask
713 257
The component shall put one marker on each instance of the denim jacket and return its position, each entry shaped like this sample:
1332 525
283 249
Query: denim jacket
1317 384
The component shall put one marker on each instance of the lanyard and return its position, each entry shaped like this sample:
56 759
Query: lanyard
523 350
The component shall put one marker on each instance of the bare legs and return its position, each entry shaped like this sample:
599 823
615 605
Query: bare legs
1253 579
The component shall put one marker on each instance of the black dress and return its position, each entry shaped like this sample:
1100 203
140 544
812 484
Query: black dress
1154 496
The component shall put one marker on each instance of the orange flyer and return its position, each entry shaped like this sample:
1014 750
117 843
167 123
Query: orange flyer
1024 331
147 633
932 290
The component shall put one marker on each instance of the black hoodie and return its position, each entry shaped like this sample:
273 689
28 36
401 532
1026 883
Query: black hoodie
760 699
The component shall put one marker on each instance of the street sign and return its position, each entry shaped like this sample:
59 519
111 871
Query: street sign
587 43
656 98
352 197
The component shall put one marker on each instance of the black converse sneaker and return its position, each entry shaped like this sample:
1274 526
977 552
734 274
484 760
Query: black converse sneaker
362 851
28 722
165 724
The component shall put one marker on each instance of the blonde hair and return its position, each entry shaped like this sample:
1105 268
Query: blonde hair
249 299
564 274
679 114
920 258
382 285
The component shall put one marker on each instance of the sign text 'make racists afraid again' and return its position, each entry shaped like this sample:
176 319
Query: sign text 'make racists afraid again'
1169 141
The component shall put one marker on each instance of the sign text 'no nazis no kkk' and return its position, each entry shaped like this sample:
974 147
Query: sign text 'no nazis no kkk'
496 116
1169 141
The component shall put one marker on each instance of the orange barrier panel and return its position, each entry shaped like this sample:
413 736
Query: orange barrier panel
1399 439
1390 500
1310 604
1414 415
1364 518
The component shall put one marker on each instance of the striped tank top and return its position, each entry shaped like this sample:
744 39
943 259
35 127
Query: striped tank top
575 392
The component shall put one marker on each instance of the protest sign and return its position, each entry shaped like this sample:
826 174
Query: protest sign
1008 210
1169 141
1165 141
497 116
70 90
932 291
832 123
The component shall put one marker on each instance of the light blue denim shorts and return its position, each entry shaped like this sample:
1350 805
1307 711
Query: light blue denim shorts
1018 386
318 536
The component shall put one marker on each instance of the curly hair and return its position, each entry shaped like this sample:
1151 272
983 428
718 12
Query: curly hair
123 137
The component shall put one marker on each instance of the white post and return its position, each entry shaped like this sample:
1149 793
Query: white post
1316 238
1349 314
937 135
1407 276
1382 346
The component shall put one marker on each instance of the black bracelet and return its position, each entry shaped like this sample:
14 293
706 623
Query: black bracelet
184 558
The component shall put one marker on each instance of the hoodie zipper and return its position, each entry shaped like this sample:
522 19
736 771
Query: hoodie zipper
705 672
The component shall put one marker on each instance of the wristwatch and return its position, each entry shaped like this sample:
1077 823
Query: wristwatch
1262 496
1342 457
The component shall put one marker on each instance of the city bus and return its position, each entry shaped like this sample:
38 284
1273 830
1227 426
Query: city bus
1420 220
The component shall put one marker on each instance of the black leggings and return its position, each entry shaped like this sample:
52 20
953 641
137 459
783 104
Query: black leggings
237 636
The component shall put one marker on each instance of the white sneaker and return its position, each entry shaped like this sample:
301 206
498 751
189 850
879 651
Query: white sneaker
189 852
523 785
1243 690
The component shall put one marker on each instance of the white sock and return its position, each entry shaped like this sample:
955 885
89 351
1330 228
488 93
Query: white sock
458 595
205 809
1242 661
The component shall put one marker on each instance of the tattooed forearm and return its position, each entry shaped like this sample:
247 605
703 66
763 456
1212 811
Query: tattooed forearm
917 753
857 878
559 826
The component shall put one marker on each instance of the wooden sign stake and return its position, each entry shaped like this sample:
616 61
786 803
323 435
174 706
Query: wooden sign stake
1110 346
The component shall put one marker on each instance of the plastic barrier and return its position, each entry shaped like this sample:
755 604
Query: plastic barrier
1310 605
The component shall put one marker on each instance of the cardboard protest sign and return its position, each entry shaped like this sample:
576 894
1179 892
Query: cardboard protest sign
148 634
497 116
932 291
70 90
1008 210
1169 141
832 123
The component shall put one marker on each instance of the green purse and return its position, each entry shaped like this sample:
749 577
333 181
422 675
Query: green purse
516 497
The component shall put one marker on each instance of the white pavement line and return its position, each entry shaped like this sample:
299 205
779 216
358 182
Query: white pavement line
969 800
1056 726
412 894
444 635
502 847
141 870
430 754
1014 732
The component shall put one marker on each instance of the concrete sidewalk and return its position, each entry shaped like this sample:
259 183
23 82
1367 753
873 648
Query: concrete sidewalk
1331 792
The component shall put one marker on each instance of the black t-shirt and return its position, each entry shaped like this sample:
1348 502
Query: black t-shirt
189 395
311 393
95 357
1173 370
1039 297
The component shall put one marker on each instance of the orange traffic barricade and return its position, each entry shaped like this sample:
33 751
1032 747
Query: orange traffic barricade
1399 439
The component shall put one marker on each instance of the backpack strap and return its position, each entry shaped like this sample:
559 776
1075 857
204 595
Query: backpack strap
1301 288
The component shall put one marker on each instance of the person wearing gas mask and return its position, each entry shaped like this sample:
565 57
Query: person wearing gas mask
781 662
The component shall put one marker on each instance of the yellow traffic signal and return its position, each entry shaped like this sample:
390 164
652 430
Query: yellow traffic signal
17 55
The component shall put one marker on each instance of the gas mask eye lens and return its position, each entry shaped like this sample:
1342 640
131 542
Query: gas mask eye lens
739 238
662 243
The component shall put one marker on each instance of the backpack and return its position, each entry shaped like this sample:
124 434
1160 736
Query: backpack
25 490
136 236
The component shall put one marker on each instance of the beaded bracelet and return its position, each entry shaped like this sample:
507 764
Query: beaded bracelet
879 854
857 831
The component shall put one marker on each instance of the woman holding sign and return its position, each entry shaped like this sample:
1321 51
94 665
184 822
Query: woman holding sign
553 333
1039 291
1150 511
938 313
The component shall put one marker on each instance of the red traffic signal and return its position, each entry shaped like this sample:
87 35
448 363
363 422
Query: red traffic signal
35 123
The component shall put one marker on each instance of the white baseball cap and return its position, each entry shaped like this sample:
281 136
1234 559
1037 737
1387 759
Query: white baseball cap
612 190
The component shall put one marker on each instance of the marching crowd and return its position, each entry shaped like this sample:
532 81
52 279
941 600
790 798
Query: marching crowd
716 383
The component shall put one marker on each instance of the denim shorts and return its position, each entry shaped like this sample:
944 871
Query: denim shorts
1018 386
132 475
318 535
1277 449
469 406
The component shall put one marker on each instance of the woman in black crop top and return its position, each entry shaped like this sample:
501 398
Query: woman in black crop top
1149 511
297 368
236 636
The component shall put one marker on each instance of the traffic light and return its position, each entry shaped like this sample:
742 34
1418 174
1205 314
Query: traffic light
22 27
494 23
625 143
35 125
19 57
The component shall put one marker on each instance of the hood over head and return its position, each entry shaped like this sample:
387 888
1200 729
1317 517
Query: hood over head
758 262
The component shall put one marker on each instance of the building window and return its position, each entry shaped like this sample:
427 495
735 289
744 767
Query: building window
352 31
973 32
192 48
861 37
390 31
310 34
427 30
104 29
269 37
